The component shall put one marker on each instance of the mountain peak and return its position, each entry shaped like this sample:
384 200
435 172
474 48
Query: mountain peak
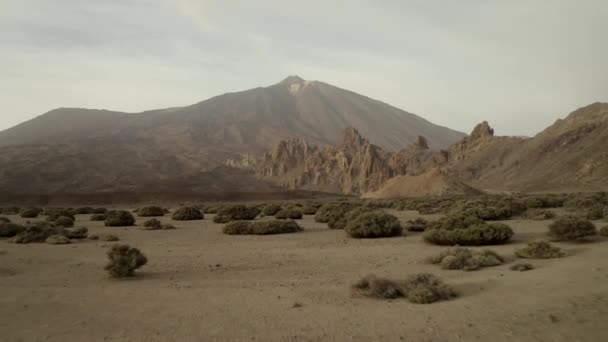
292 79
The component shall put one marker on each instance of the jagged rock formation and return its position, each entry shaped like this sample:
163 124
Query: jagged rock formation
571 155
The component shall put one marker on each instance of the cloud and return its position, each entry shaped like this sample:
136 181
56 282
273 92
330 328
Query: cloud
519 64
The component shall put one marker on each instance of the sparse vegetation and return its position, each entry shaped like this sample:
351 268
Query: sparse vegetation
261 227
57 240
52 214
103 237
375 224
76 233
119 218
271 209
37 233
521 267
571 228
236 213
466 259
64 221
152 224
152 211
420 288
539 214
539 250
9 229
30 212
475 235
417 225
83 211
596 212
348 217
332 212
311 208
293 214
124 260
188 214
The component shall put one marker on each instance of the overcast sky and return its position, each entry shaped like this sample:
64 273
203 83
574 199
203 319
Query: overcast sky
519 64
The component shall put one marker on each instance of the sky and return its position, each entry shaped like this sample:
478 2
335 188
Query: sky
519 64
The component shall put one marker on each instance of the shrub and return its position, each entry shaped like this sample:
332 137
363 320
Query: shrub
571 228
417 225
539 250
52 214
420 288
261 227
76 233
457 221
236 213
57 240
8 229
293 214
103 237
188 214
348 217
476 235
37 232
522 267
98 217
152 224
152 211
83 211
310 209
333 211
4 219
596 213
100 211
119 218
491 213
375 224
544 202
271 209
210 210
466 259
64 221
124 260
30 212
604 231
539 214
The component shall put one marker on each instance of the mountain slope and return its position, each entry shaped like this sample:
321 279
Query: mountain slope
80 150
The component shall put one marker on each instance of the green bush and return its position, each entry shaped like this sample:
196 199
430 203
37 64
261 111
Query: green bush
98 217
152 211
293 214
57 240
348 217
476 235
261 227
466 259
539 214
53 214
311 208
119 218
124 260
9 229
64 221
30 212
457 221
571 228
37 233
76 233
596 213
188 214
236 213
417 225
333 211
539 250
375 224
152 224
420 288
521 267
271 209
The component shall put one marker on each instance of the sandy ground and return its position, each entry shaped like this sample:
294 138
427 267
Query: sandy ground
201 285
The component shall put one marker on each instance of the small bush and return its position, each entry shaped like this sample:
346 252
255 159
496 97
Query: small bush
30 213
210 210
103 237
119 218
37 233
57 240
539 214
521 267
52 214
271 209
476 235
236 213
64 221
375 224
333 211
124 260
604 231
9 229
188 214
571 228
4 219
457 221
420 288
293 214
98 217
351 215
261 227
417 225
466 259
152 211
309 209
596 212
539 250
152 224
76 233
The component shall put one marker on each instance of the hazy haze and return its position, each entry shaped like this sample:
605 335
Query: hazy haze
518 64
